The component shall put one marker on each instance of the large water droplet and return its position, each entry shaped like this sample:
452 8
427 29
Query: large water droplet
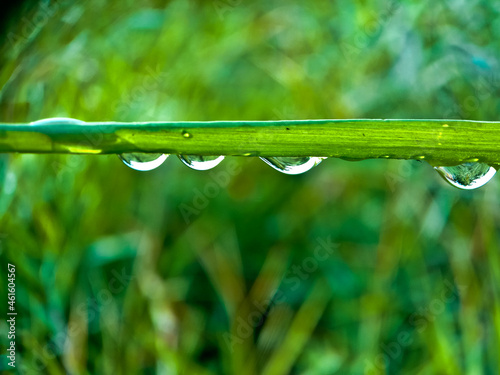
468 175
58 121
143 161
293 165
201 163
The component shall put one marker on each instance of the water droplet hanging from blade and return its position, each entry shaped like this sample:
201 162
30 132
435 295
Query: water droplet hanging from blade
143 161
201 163
293 165
467 176
58 121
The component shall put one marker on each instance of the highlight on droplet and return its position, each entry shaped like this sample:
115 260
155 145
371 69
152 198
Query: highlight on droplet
200 162
143 161
293 165
58 121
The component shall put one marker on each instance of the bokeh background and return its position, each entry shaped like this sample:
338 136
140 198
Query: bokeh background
370 267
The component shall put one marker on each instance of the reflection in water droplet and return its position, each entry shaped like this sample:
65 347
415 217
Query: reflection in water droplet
468 175
293 165
143 161
58 121
201 163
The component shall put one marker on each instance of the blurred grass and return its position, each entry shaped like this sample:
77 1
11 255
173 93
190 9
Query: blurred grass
112 279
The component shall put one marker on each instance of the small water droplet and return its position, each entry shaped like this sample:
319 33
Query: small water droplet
201 163
186 134
293 165
467 176
58 121
143 161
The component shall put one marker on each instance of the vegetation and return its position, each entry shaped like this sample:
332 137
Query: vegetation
365 267
438 141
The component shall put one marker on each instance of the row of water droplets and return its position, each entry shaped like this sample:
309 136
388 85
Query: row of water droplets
468 176
148 162
287 165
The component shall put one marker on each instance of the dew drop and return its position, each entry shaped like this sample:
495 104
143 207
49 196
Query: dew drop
293 165
186 134
58 121
467 176
201 163
143 161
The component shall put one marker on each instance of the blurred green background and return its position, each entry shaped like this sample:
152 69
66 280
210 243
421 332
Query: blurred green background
372 267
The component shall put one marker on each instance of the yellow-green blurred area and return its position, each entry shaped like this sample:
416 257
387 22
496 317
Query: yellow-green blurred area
370 267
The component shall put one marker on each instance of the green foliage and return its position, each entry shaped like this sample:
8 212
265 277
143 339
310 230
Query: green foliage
372 267
441 142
